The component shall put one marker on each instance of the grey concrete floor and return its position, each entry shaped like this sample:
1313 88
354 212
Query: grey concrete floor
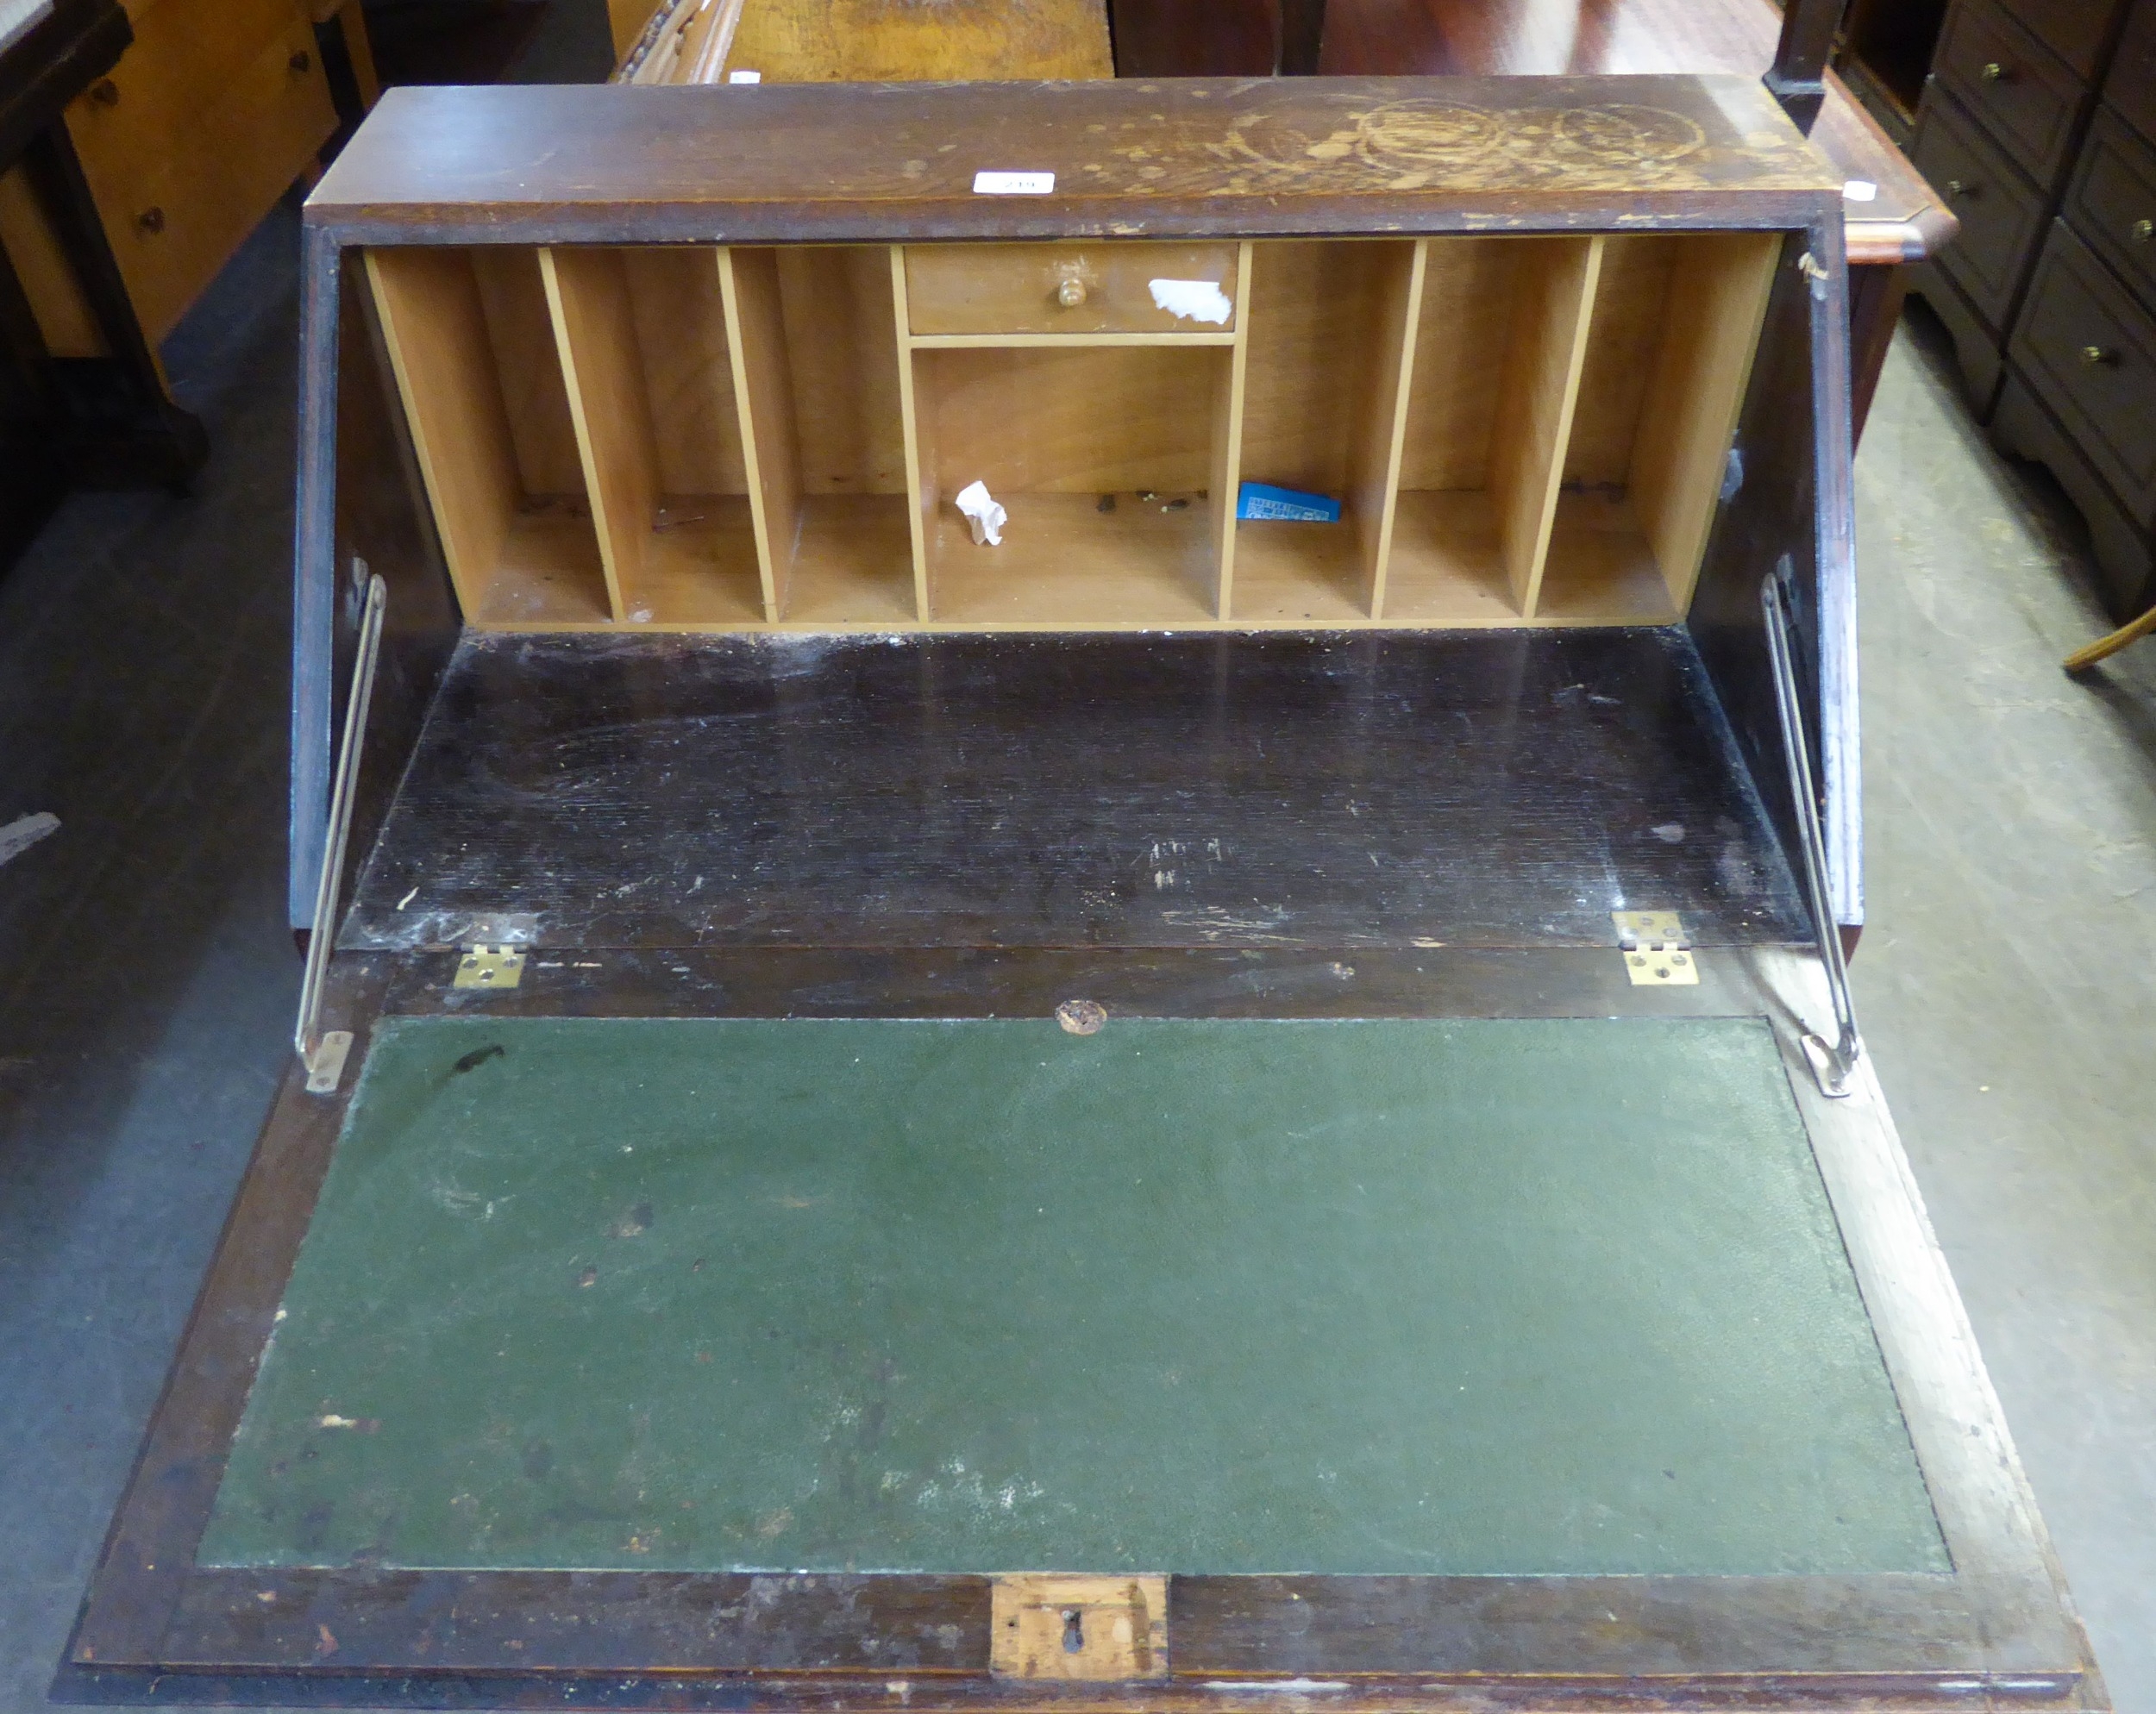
2007 983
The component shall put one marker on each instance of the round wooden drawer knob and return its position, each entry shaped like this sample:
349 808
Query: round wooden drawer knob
301 61
1993 72
105 92
151 220
2144 230
1071 293
2094 356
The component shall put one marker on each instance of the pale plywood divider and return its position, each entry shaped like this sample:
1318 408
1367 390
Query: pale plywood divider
921 453
1374 471
588 292
1520 430
1545 354
649 361
1323 359
518 554
1109 450
1230 387
763 391
1718 304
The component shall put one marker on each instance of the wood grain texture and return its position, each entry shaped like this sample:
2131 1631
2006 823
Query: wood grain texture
1718 299
1012 288
1224 462
1623 336
687 370
763 389
1546 352
595 331
433 323
842 336
1462 331
519 333
1906 222
1506 788
1380 431
879 162
893 41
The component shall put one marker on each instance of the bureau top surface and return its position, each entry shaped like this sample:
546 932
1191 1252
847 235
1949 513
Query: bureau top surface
1135 157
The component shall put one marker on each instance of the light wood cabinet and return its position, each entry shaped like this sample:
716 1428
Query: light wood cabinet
1521 430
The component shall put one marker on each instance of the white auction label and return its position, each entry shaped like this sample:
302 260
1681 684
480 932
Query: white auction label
1013 184
744 76
1859 190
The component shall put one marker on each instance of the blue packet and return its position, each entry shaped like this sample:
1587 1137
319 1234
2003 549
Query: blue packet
1262 500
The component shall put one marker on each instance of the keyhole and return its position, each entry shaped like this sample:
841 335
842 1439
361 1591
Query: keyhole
1073 1632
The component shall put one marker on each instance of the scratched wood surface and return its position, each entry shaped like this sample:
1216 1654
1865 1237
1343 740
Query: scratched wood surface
873 161
1492 788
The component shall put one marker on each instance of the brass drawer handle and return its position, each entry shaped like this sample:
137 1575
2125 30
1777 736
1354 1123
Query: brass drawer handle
2144 230
105 92
2095 356
1994 73
302 61
1071 292
151 220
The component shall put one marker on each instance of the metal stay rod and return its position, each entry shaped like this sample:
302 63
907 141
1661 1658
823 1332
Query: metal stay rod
1831 1066
323 1055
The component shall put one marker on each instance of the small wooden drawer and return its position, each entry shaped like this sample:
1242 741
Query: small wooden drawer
1060 288
187 56
2001 219
2020 92
2113 202
2073 29
2089 351
2131 86
175 208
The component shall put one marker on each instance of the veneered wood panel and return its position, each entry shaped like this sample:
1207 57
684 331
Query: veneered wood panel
1111 419
1460 333
687 370
1013 288
1374 468
519 333
842 335
1717 300
1194 158
1310 305
762 389
875 40
435 325
1546 349
1631 300
588 292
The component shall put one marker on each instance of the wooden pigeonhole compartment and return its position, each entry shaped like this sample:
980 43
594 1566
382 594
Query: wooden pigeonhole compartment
1173 1110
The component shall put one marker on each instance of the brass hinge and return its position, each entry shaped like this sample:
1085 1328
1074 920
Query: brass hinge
490 967
1097 1628
1658 952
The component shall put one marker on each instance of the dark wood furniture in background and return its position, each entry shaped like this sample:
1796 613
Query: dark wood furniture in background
2040 122
98 414
1884 55
1902 221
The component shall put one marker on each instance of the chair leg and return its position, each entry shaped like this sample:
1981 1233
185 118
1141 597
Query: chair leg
2105 647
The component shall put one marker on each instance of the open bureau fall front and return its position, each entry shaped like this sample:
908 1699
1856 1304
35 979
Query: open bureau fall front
1177 1110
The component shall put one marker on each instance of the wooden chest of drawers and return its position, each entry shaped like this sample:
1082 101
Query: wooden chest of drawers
2039 121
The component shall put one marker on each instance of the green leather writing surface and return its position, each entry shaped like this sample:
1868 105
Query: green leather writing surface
1511 1296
